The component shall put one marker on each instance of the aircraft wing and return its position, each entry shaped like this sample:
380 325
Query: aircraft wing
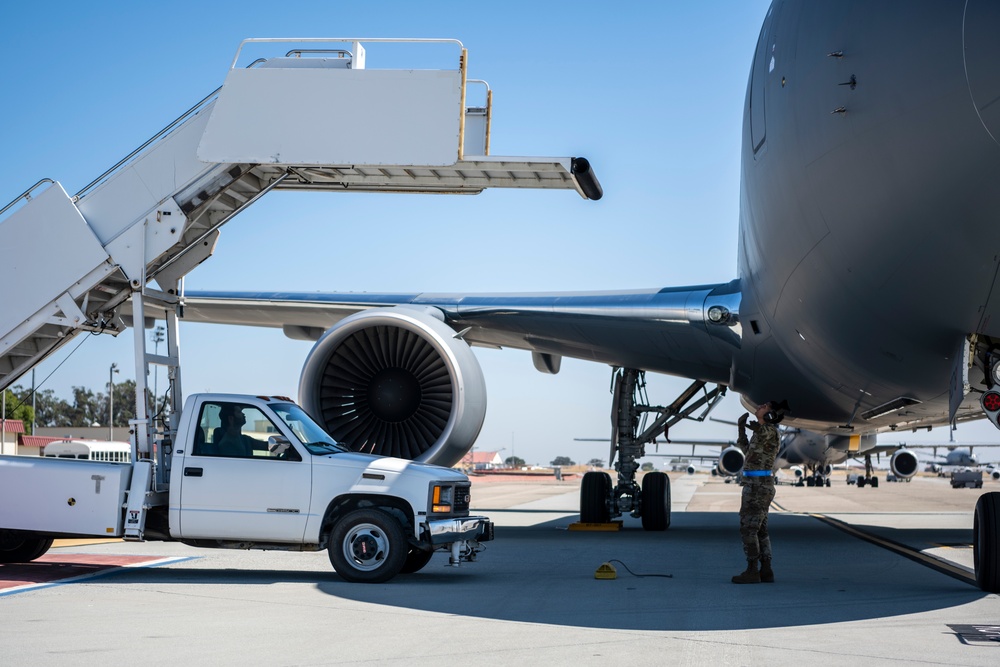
662 330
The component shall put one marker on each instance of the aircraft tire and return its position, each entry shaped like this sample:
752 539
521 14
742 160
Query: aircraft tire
416 560
17 549
368 546
594 493
861 482
874 482
655 501
985 550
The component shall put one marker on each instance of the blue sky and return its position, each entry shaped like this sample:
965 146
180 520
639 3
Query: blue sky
652 95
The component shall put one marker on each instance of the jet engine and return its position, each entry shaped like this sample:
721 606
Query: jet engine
904 464
691 470
994 474
730 461
798 472
396 382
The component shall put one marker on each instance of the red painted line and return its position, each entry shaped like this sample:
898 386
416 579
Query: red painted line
54 568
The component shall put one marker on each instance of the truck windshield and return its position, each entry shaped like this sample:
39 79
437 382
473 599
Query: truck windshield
309 433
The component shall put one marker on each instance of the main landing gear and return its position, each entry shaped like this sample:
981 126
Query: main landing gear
819 475
815 479
869 479
600 498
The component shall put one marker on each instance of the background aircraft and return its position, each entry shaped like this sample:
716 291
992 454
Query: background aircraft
808 455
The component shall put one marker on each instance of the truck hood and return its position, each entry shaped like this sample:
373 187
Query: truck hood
387 464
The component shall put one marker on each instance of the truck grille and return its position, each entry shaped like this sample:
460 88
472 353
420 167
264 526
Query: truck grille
463 496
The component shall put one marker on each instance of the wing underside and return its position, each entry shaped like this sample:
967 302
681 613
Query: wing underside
691 332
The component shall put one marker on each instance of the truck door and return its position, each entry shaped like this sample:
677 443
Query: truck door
233 488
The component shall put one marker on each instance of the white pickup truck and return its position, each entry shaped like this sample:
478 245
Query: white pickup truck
249 472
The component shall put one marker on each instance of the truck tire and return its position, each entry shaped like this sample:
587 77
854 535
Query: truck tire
17 548
655 501
986 542
415 561
367 546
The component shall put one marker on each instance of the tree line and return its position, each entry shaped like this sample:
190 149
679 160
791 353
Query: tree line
85 408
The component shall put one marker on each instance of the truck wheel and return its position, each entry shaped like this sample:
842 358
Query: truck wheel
17 548
367 546
415 561
594 492
655 501
985 535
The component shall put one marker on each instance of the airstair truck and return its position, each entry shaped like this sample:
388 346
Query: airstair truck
277 481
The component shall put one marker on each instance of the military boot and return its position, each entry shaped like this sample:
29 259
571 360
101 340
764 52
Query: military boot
766 573
751 576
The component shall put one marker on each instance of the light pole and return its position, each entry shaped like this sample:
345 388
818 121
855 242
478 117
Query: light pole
111 401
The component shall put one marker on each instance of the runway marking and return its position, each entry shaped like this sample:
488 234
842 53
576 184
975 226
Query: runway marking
901 549
58 569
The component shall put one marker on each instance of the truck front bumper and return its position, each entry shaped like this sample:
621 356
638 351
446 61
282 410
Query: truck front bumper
446 531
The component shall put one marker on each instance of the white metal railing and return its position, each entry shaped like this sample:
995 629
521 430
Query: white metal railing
341 40
26 195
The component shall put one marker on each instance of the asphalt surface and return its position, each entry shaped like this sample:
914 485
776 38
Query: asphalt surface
872 576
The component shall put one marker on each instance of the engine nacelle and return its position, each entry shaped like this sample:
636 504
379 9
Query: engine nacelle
994 474
730 461
904 464
798 472
690 470
396 382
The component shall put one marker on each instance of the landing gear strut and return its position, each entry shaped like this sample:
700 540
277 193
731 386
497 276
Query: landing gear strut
600 499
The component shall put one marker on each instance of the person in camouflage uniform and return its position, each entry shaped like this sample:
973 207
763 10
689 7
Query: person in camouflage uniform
758 490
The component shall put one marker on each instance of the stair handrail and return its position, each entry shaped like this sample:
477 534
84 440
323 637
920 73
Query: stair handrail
152 139
25 195
341 40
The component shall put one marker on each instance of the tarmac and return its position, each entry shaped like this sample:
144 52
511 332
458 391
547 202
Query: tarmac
875 576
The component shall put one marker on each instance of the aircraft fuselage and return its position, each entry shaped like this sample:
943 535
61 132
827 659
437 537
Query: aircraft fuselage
868 237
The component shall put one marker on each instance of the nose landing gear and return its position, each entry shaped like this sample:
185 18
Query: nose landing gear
600 499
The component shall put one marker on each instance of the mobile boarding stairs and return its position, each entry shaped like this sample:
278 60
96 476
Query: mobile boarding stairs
312 119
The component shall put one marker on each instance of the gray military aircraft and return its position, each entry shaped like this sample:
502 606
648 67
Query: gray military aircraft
866 290
811 456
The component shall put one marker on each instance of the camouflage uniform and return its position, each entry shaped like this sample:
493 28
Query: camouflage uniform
758 492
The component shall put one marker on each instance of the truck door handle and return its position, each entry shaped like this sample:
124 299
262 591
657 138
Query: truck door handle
192 472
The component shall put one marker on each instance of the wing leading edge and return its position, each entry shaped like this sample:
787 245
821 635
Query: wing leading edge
692 332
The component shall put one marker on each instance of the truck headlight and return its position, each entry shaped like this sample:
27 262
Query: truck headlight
442 499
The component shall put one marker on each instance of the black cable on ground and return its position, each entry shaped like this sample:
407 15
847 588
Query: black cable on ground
668 576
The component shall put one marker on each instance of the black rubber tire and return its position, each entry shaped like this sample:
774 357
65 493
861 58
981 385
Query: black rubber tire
16 548
874 482
985 550
595 490
655 501
367 546
861 482
416 560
